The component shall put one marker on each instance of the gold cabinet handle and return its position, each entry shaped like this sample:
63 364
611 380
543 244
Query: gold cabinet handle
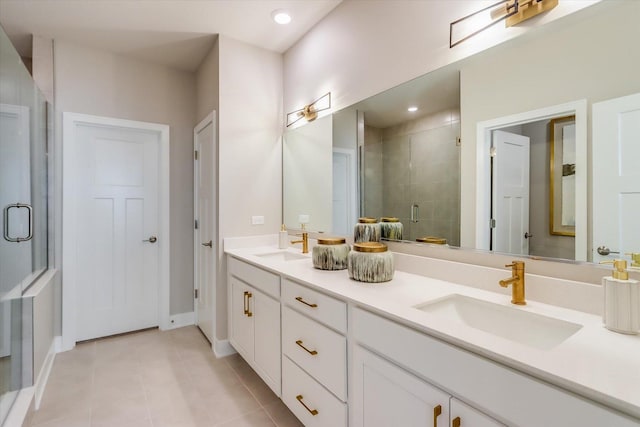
456 422
311 352
299 299
313 412
437 411
247 295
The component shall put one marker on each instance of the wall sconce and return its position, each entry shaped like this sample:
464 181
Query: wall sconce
310 112
512 12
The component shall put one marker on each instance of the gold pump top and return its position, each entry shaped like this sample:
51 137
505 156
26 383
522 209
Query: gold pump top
619 269
283 228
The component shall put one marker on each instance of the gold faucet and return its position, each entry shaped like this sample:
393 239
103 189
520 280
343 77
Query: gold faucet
304 241
516 281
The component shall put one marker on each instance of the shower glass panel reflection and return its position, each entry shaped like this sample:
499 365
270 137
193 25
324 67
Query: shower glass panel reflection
412 172
23 206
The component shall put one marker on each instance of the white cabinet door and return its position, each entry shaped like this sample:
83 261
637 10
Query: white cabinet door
267 337
463 415
242 332
385 395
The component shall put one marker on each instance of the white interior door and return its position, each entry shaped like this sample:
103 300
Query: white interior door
616 176
344 191
117 254
205 238
510 192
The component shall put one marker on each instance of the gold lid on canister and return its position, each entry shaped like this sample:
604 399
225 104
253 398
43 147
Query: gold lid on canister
331 240
389 219
369 247
432 240
367 220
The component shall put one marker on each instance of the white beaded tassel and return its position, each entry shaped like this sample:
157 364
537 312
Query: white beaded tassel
621 305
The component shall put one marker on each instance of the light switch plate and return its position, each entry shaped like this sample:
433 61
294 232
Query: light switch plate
257 220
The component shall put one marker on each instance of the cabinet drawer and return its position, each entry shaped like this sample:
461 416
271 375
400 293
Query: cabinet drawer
317 349
323 308
308 400
265 281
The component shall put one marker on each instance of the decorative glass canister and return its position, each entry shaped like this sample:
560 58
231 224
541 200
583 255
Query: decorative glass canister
370 262
432 240
390 228
366 230
331 253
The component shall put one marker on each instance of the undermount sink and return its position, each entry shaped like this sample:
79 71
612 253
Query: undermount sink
282 256
514 324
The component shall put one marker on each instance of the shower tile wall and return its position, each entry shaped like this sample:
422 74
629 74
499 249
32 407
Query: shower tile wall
372 177
421 166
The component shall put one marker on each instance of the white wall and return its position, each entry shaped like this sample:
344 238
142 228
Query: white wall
92 81
365 47
250 149
208 84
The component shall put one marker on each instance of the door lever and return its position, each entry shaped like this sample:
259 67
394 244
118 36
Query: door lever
603 250
209 244
151 239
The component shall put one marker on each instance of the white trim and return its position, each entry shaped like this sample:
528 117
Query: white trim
210 119
483 172
69 211
43 376
223 348
20 407
182 319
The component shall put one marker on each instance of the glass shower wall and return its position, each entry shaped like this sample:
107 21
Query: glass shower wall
23 204
412 172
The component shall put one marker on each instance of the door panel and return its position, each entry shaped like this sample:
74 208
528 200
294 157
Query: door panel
241 323
267 338
205 236
510 192
616 176
117 201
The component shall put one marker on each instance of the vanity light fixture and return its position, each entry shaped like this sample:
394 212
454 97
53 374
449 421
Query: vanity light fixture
412 109
310 112
281 16
513 12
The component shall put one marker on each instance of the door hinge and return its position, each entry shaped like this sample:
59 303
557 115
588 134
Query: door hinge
195 155
195 225
492 223
195 293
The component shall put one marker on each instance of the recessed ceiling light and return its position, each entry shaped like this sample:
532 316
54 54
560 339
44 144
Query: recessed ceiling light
281 16
412 109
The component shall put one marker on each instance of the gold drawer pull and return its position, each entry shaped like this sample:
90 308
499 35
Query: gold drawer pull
456 422
313 412
311 352
299 299
247 295
437 411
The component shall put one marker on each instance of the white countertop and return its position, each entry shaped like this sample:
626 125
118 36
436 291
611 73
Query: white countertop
594 362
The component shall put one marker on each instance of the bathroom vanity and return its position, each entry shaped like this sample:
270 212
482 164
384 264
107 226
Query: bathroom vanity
420 351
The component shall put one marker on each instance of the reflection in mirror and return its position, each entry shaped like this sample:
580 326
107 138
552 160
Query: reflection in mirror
562 176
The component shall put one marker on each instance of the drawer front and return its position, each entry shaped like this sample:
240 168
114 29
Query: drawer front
317 349
265 281
323 308
308 400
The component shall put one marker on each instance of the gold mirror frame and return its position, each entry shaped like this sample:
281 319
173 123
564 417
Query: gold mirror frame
557 171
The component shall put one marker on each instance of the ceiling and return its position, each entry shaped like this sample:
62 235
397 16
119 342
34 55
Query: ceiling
176 33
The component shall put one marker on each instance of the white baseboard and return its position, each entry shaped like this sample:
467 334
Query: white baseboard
222 348
43 376
182 319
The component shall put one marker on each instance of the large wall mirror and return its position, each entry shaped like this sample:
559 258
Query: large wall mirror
442 176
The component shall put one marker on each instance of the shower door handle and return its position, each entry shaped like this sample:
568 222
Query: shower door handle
414 212
6 210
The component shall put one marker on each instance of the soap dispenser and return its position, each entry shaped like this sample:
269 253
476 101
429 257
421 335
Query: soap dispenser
621 300
283 242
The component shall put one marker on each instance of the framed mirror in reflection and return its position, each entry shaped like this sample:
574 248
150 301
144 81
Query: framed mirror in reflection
426 167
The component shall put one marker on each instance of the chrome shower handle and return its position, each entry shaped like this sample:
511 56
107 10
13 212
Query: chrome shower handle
6 235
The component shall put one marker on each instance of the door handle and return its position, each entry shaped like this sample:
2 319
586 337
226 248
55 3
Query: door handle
527 235
414 212
603 250
29 235
209 244
151 239
313 412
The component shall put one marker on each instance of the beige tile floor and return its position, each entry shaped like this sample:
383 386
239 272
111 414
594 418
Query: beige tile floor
156 379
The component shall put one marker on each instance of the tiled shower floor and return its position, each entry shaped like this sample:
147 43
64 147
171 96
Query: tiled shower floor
156 379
